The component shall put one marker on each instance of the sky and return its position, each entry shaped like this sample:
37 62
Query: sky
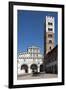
30 29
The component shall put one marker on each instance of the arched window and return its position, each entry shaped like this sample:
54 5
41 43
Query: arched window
50 23
50 48
50 35
50 29
50 41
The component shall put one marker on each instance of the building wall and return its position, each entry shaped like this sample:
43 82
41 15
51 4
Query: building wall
29 62
32 56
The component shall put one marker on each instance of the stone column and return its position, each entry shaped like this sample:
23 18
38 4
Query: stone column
38 68
29 70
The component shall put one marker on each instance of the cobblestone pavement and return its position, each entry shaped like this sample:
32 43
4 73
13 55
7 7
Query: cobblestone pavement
39 76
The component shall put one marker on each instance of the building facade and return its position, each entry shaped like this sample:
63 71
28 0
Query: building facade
51 61
27 60
50 54
49 34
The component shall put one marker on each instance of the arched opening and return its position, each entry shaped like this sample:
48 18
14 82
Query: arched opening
41 68
50 47
34 68
24 68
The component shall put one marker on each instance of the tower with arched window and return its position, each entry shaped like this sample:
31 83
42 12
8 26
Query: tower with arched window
49 34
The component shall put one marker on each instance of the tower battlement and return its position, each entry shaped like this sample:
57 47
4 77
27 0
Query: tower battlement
49 17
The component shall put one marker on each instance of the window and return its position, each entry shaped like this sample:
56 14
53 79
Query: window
50 48
49 29
49 23
50 41
50 35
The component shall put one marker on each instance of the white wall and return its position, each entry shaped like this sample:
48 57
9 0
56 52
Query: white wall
4 43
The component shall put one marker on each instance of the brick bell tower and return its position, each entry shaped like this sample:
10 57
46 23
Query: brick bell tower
49 34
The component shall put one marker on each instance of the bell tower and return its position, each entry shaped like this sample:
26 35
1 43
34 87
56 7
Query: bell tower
49 34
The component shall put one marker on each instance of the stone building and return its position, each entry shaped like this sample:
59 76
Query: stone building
29 60
51 61
50 53
49 34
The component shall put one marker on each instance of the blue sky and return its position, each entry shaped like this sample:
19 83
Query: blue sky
31 29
